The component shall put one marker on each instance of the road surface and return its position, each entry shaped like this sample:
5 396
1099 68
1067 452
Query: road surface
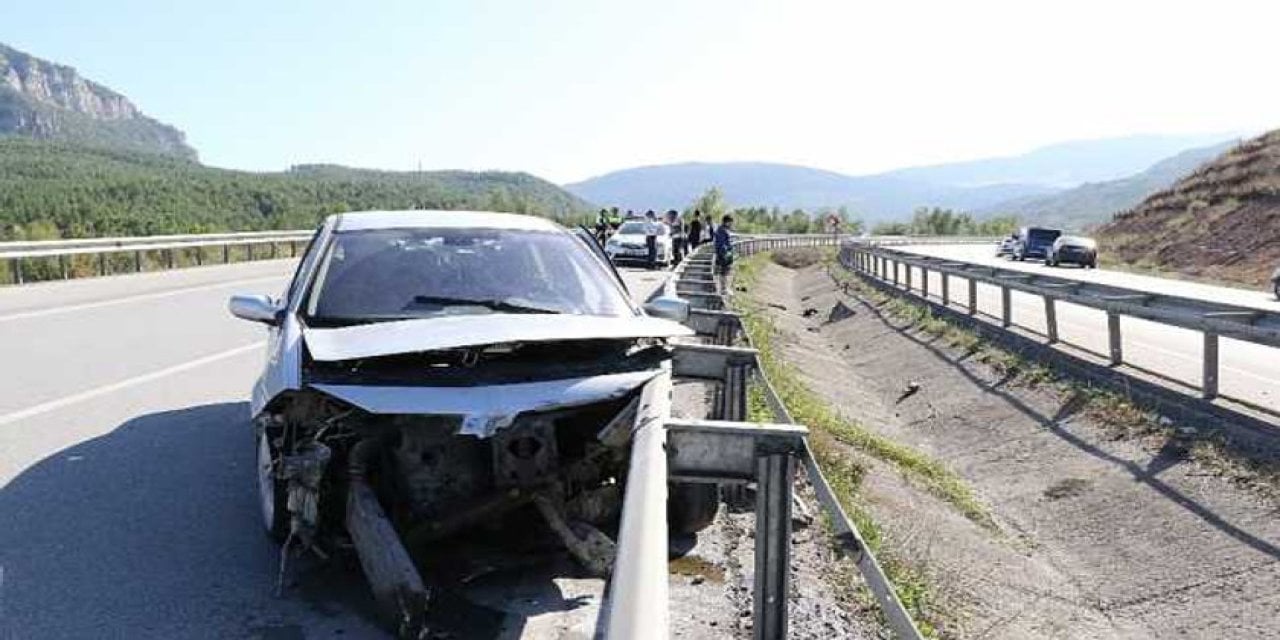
127 501
1248 372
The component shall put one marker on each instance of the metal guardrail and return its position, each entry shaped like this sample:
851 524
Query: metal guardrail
1214 320
696 281
19 254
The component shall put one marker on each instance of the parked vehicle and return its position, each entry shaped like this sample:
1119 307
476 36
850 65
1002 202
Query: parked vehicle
452 369
1034 242
626 245
1006 246
1074 250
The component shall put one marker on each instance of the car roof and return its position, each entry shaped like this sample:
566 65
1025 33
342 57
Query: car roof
436 219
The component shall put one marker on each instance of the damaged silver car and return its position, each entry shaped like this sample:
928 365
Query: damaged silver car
428 372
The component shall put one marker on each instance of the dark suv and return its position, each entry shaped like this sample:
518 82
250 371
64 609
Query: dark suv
1034 242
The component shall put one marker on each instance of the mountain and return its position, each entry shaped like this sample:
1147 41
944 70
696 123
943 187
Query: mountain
1066 164
1222 222
43 100
970 185
57 189
674 186
1094 202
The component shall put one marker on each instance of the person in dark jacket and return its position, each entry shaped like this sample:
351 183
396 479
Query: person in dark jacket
724 245
695 231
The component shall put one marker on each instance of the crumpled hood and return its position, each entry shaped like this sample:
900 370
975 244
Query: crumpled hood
452 332
487 409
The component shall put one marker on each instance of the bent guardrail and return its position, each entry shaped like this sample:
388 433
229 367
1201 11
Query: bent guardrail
20 254
1214 320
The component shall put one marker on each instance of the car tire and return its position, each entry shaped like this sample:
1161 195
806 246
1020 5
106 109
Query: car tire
273 497
691 507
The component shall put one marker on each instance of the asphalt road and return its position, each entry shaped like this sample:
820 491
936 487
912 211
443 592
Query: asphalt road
127 500
1247 372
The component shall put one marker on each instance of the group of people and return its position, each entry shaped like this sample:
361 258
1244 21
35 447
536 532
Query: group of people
685 237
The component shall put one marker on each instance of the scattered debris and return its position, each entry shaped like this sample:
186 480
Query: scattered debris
812 329
777 306
840 311
913 388
1068 488
809 312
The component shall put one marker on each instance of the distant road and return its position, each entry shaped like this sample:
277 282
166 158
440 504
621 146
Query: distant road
127 499
1249 372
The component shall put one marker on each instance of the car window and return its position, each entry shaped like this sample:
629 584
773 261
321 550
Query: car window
309 257
389 274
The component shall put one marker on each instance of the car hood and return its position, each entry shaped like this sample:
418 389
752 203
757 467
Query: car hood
488 409
454 332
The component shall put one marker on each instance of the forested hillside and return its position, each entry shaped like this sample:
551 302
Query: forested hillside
50 190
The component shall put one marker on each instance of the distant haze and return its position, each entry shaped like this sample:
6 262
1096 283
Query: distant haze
971 185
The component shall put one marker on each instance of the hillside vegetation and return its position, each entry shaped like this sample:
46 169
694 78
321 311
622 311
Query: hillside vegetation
1221 222
50 190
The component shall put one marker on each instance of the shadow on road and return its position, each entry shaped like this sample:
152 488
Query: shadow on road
152 530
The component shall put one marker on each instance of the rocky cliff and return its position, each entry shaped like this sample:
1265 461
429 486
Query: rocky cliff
44 100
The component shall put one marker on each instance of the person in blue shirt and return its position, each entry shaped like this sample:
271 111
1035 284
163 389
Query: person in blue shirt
724 245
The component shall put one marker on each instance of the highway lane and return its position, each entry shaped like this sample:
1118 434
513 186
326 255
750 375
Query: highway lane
127 502
1248 372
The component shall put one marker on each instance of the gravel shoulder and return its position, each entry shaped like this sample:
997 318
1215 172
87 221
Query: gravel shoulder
1096 536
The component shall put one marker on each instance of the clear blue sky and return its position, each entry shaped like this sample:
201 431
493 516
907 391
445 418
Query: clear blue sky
571 89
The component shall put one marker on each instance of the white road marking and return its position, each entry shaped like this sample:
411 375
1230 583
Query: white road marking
22 315
95 392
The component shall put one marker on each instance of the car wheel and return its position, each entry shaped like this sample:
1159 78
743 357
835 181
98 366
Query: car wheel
272 495
691 507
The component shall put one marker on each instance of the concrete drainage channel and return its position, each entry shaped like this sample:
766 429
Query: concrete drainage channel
730 451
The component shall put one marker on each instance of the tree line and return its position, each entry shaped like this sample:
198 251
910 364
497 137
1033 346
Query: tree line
924 221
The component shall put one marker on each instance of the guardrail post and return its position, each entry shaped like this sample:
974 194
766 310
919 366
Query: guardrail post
973 297
62 266
293 249
199 256
1113 338
908 266
1006 306
946 289
1209 381
15 265
102 264
895 272
774 475
137 261
249 252
1051 319
274 248
924 282
226 254
168 257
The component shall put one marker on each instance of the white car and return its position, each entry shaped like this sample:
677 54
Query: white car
627 244
447 369
1006 246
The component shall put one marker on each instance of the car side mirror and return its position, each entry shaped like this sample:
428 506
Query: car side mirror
668 307
258 308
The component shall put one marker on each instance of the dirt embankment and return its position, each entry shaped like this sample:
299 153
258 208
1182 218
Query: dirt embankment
1095 536
1222 222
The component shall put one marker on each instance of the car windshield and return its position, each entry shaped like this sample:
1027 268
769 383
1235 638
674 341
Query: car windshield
636 227
1043 236
393 274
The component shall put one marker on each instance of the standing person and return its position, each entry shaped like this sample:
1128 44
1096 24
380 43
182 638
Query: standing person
724 246
615 220
677 230
651 238
695 231
602 226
